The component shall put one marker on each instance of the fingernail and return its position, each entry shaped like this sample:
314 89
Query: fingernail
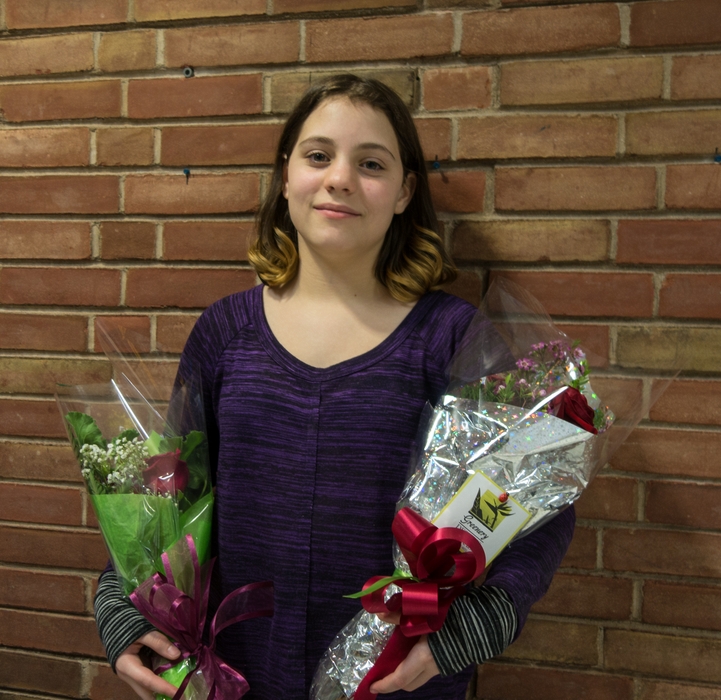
173 651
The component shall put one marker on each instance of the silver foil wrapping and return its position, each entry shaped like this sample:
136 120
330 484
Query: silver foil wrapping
541 461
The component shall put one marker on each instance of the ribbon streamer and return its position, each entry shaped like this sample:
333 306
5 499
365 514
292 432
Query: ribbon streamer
424 600
182 615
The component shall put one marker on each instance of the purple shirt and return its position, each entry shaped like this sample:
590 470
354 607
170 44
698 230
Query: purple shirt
310 464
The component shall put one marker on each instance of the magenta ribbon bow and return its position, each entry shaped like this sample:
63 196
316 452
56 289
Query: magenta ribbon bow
431 554
181 616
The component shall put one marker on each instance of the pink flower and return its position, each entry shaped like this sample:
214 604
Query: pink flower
525 364
166 473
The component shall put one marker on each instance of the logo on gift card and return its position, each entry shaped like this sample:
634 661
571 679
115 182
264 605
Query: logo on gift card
490 510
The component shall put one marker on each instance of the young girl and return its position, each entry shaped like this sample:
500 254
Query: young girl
314 383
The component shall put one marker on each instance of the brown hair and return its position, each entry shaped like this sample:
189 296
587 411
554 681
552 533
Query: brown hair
412 259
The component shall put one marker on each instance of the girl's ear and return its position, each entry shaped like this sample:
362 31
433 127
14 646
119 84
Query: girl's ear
406 193
285 176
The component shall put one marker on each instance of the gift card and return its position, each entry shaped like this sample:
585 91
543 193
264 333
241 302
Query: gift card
487 512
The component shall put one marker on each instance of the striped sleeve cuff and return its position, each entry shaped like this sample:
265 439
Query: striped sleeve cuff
119 623
479 626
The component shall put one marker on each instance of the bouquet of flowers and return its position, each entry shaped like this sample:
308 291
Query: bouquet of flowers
517 437
146 468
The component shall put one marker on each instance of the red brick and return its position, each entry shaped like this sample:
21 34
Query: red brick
668 348
690 401
30 375
498 682
594 340
59 194
40 673
200 194
622 394
68 53
207 240
581 188
31 418
276 42
38 462
129 334
572 643
688 453
663 552
44 240
246 144
597 597
283 6
467 87
663 656
654 690
541 240
172 331
534 136
435 136
693 186
588 293
40 332
60 286
24 102
464 4
467 286
672 133
582 552
50 632
127 50
195 97
57 548
29 589
584 81
105 684
124 146
159 10
189 288
675 23
20 14
540 30
677 605
669 241
696 77
683 503
378 38
609 498
688 295
126 240
458 190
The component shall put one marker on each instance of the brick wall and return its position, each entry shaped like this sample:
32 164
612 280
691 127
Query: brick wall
576 144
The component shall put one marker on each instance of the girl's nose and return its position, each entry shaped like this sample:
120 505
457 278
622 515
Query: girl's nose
340 176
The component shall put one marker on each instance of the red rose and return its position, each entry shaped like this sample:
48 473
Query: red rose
572 407
166 473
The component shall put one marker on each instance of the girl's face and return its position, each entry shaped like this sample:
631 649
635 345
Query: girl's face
344 180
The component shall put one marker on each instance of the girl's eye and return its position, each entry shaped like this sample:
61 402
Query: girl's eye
372 165
317 157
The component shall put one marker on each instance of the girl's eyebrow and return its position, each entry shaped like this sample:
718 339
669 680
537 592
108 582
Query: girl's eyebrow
361 146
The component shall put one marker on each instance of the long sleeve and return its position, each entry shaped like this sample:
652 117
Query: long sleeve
487 619
119 623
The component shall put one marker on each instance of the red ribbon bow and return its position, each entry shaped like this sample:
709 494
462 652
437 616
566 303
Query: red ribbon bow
431 554
182 616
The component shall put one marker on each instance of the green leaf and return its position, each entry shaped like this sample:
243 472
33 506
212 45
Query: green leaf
83 431
153 443
190 442
129 434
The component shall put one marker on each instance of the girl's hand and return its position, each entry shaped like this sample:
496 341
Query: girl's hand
415 670
139 677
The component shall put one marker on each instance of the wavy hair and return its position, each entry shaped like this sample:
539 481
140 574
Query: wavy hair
412 259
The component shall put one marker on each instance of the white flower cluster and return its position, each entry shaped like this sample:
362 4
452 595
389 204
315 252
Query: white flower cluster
117 469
